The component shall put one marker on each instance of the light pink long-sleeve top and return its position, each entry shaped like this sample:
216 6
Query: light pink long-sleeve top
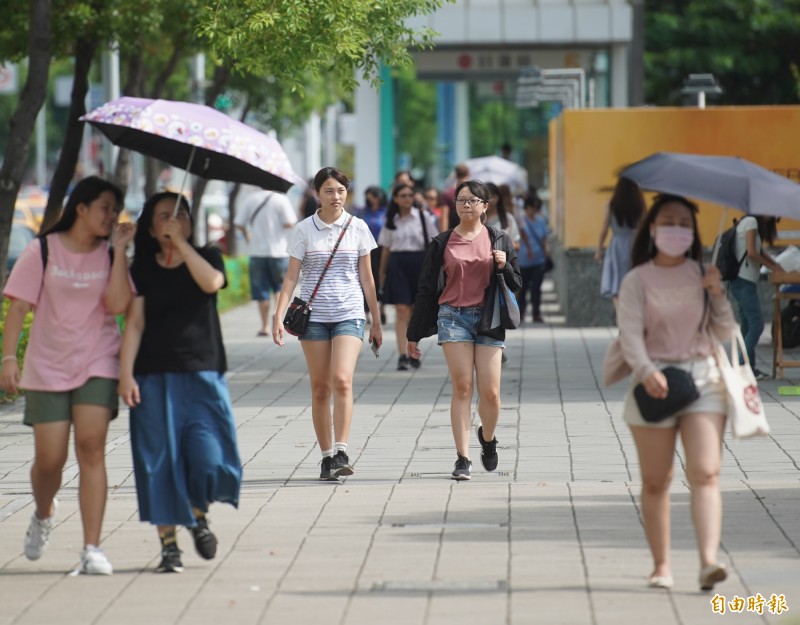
659 312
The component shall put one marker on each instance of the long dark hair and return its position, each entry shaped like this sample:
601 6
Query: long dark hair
644 248
478 189
394 209
767 228
627 203
85 192
501 207
146 246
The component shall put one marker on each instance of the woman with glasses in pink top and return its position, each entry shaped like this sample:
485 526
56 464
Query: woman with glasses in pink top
460 265
670 308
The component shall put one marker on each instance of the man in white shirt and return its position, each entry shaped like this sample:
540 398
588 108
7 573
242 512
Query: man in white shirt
265 219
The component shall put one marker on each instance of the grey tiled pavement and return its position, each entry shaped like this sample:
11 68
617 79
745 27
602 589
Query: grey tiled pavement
553 537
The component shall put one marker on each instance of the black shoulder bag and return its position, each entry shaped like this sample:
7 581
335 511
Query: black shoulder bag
297 315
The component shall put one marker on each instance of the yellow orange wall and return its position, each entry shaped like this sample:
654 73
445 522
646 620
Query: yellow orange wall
588 148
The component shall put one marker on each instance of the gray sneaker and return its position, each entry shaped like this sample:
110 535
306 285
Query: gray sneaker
38 535
463 468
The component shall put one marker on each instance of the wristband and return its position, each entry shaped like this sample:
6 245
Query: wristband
14 358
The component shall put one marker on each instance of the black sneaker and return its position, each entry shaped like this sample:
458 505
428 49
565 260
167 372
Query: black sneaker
488 451
170 559
761 375
463 468
204 540
341 465
325 470
402 363
415 363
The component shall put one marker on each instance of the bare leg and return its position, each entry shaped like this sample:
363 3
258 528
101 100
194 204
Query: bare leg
343 365
50 443
91 427
403 313
263 310
318 360
656 449
701 435
488 365
460 358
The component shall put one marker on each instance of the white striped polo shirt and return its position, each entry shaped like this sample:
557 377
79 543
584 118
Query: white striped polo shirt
340 296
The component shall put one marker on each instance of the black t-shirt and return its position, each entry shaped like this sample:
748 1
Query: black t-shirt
181 326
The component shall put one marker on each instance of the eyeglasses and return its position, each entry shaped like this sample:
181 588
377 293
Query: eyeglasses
473 201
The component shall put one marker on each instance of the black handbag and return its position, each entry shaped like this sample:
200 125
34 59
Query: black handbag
500 306
295 321
682 391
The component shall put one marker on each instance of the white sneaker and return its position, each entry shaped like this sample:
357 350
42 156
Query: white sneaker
95 562
38 535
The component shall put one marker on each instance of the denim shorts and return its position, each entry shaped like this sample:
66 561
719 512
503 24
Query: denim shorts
460 325
266 276
317 331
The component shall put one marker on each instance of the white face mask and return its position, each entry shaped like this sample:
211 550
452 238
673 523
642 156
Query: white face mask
674 240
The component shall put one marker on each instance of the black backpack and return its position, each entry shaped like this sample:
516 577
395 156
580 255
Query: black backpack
727 262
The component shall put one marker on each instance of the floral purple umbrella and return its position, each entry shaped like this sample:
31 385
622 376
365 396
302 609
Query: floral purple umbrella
196 138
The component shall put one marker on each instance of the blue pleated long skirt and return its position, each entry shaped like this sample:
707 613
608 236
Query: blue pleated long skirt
184 446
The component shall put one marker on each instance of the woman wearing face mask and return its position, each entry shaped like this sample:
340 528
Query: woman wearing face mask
668 307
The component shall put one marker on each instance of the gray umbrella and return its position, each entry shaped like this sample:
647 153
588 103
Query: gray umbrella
725 180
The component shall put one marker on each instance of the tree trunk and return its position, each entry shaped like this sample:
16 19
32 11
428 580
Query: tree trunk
132 88
232 251
23 120
68 159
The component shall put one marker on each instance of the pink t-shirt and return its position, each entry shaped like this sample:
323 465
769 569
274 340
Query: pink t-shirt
73 337
468 267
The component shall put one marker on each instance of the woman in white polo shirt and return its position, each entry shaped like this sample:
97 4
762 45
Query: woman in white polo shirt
335 333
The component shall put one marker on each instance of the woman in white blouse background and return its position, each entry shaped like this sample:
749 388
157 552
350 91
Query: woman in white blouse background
404 237
335 333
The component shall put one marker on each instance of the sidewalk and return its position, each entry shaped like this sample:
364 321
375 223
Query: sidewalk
553 537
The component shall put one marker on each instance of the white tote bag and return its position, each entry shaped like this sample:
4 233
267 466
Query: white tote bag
745 409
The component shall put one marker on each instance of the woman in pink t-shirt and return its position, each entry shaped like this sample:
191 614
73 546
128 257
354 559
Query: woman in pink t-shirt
72 360
459 266
669 307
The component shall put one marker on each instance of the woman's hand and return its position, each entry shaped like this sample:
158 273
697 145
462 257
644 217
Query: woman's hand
413 350
499 258
128 390
173 230
9 378
656 385
277 330
598 255
376 334
123 235
712 280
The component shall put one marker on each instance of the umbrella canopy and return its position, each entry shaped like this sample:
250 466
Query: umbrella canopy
725 180
499 171
224 148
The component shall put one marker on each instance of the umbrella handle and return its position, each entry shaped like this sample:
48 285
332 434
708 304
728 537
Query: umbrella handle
180 194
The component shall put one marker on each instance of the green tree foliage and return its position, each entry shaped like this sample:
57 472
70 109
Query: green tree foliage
287 38
416 118
751 46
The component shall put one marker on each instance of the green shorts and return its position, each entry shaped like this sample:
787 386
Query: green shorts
52 406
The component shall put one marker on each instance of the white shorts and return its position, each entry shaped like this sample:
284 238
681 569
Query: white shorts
713 394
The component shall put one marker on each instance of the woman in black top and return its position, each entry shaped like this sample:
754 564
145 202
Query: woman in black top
173 377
